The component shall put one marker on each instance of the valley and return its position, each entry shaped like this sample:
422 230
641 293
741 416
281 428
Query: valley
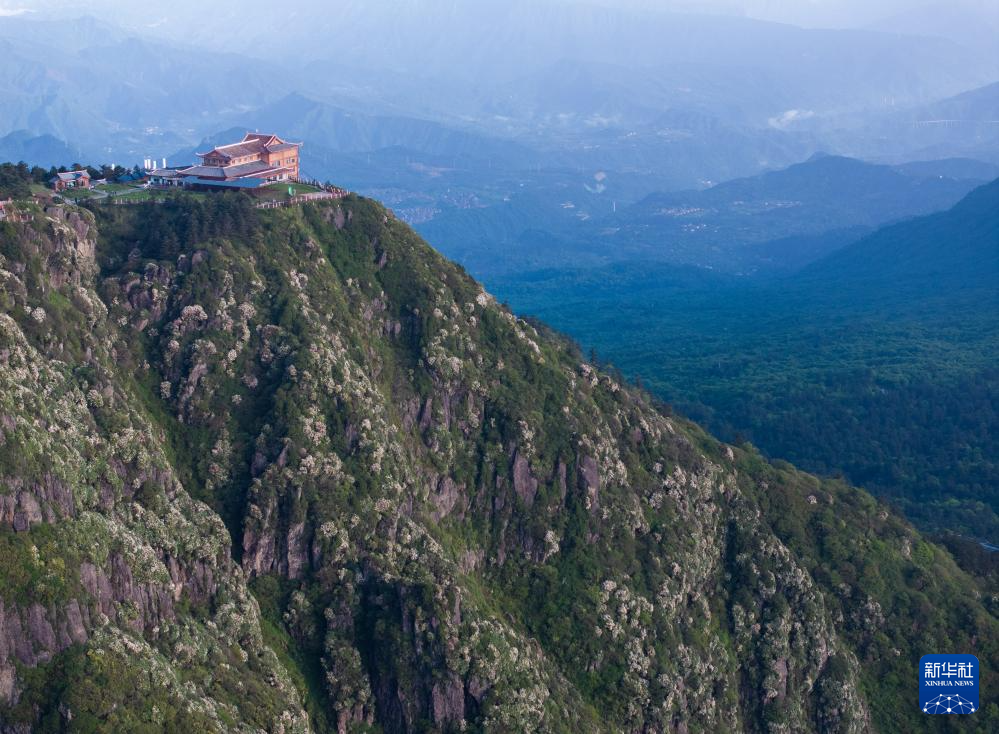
877 361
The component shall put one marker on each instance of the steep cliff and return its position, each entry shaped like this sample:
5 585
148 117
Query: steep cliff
449 520
121 608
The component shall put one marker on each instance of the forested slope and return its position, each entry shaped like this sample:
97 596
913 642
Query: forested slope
448 518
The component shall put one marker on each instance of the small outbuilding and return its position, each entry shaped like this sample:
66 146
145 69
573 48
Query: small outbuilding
71 180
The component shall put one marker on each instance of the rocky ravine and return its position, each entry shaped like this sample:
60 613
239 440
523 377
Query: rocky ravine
450 521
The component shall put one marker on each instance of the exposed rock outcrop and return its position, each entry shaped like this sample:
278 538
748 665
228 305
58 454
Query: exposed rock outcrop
449 519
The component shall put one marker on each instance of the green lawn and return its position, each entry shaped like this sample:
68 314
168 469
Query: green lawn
117 188
139 194
76 194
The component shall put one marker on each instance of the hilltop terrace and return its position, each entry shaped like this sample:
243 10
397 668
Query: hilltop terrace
257 160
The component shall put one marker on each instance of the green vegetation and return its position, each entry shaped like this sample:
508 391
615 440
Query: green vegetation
77 195
17 179
117 188
447 519
101 690
878 364
905 408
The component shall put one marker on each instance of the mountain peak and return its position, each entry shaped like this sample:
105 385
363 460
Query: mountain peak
417 481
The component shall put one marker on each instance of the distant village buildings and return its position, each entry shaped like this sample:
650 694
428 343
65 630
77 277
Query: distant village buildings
259 159
71 180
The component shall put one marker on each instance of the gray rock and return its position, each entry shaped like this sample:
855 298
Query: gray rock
298 558
589 477
524 483
445 498
448 701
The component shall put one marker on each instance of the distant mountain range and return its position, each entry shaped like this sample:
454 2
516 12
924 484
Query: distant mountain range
118 97
713 226
952 254
850 67
40 150
607 85
771 223
966 124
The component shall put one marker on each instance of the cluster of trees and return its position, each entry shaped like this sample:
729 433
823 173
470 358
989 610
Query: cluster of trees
16 179
163 231
930 442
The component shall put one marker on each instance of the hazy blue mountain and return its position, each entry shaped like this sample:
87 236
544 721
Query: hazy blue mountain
682 61
565 67
113 95
529 36
768 224
723 227
959 168
963 125
347 131
68 35
634 96
871 192
577 92
950 254
40 150
975 106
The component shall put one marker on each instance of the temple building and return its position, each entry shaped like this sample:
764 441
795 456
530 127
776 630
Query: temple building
257 160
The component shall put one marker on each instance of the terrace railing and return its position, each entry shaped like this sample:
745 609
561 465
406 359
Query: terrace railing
331 193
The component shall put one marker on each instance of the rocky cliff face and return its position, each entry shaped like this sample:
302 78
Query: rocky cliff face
114 582
449 519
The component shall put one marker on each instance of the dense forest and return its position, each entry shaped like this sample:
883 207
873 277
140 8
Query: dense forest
877 363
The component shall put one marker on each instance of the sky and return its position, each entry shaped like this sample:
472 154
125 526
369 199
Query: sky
808 13
947 18
831 13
